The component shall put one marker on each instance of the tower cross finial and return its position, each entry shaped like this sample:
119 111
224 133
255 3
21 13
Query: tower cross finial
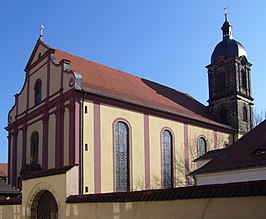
41 31
225 12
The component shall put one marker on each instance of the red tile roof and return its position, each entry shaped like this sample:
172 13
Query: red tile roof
108 82
242 154
3 170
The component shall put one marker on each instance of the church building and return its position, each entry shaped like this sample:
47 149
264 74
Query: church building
123 132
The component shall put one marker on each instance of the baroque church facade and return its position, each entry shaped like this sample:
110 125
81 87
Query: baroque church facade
124 133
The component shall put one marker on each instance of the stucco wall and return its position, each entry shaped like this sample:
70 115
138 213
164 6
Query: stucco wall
244 207
250 207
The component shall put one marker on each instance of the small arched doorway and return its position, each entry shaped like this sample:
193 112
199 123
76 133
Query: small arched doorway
45 206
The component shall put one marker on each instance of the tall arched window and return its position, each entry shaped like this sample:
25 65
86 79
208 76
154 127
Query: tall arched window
122 156
34 147
201 146
245 114
167 159
38 91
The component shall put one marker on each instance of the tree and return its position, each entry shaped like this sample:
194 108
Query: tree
259 116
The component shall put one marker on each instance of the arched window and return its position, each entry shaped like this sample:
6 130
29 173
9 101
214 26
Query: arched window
244 78
38 91
201 146
167 159
47 206
34 147
245 114
122 156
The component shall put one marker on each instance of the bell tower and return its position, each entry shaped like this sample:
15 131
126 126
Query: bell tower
230 97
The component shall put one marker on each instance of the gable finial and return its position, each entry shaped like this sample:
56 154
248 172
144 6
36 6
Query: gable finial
41 31
225 12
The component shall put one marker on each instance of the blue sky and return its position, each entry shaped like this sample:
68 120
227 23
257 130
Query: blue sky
167 41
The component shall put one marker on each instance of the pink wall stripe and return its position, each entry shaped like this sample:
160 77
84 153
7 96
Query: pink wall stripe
186 155
97 148
24 143
45 142
14 159
215 140
147 150
77 132
9 159
71 134
57 138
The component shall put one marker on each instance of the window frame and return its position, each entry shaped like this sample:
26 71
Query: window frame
126 186
34 147
244 79
245 114
199 153
171 158
38 91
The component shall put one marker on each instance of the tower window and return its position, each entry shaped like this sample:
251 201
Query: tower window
122 156
34 142
38 91
167 159
201 146
245 114
244 78
222 81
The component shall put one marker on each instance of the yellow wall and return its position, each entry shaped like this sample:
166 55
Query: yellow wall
88 155
19 153
177 129
22 99
31 128
41 73
41 50
194 133
109 114
66 138
230 208
55 74
245 207
51 142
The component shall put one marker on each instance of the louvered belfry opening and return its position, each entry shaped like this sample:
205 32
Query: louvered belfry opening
47 207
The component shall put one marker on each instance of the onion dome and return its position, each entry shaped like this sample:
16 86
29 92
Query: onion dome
228 47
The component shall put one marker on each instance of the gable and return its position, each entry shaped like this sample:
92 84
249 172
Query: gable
39 51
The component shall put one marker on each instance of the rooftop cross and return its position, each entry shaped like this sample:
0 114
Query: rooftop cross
225 12
41 31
